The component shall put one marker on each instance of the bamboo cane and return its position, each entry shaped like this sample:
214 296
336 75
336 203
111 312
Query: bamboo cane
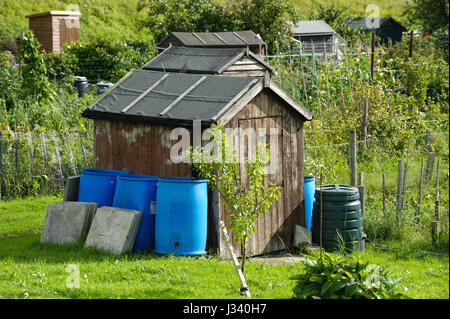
244 288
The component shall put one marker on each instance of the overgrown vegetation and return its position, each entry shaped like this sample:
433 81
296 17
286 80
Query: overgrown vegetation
408 97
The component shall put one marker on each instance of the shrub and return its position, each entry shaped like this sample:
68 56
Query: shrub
106 60
264 17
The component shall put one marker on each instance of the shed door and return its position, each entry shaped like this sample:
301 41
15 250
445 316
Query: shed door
267 130
68 30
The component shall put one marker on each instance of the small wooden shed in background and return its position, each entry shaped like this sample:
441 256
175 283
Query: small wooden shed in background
55 28
235 39
316 37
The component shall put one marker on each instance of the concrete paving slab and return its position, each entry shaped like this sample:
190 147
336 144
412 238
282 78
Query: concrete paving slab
71 188
114 229
66 221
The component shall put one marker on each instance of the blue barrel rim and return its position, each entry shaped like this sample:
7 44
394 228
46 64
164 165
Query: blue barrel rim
182 180
309 178
103 171
137 177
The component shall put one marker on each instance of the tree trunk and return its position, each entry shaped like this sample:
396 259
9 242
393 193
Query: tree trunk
244 250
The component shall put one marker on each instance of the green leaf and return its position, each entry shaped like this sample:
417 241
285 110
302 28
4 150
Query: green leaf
325 287
350 289
315 278
338 284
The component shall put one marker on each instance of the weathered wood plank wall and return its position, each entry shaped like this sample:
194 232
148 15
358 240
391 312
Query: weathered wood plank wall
136 147
275 229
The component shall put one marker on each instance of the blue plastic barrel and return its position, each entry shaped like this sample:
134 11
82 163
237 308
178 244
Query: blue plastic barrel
138 192
181 216
98 185
310 185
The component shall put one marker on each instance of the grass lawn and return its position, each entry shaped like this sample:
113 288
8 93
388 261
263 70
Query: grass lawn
29 269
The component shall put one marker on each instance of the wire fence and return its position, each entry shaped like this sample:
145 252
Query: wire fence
410 187
36 163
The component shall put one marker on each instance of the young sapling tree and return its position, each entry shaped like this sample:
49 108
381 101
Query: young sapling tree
246 197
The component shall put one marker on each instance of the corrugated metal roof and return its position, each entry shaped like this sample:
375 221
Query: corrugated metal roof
311 27
199 60
218 39
179 98
193 60
161 95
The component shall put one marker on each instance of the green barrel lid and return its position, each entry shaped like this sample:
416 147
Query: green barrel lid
337 192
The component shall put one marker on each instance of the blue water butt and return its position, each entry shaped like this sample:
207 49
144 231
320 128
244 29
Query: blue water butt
138 192
310 185
98 185
181 216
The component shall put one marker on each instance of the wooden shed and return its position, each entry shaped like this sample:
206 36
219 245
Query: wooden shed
226 61
316 37
234 39
134 121
55 28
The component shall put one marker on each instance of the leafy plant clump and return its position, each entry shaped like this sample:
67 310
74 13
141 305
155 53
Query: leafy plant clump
345 277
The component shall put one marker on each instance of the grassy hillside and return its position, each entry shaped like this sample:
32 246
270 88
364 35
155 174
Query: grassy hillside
358 7
118 19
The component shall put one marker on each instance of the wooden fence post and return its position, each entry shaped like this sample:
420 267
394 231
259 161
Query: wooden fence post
44 149
372 56
362 194
411 41
435 224
16 155
428 141
405 175
352 158
31 153
430 159
429 168
420 191
399 190
364 122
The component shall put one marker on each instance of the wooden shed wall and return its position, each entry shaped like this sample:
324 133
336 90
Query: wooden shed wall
136 147
245 66
276 228
41 27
